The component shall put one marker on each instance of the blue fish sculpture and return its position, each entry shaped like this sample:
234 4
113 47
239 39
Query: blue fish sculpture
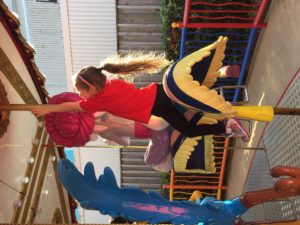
132 203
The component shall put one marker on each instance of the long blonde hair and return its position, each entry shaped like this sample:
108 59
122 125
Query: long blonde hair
135 62
127 64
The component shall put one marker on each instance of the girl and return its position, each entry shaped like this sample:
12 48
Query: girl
144 105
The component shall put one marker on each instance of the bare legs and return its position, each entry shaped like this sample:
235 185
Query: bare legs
157 123
114 128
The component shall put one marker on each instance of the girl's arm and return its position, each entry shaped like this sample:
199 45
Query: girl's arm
100 115
120 140
41 110
105 131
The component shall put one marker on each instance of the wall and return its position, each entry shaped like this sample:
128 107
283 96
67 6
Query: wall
139 25
43 30
89 29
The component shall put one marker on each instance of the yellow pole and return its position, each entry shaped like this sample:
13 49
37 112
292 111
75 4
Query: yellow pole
260 113
263 113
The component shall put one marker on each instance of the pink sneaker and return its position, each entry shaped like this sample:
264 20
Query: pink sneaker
234 128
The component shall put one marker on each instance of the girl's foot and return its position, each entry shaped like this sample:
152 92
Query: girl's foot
234 128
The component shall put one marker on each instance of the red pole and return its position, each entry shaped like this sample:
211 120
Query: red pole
222 25
186 12
171 186
222 173
195 187
221 11
260 11
199 177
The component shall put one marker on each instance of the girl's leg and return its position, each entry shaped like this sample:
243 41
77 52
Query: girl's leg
116 128
113 139
141 131
157 123
116 134
163 107
169 113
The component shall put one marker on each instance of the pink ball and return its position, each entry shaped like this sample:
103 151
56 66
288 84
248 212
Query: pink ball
70 129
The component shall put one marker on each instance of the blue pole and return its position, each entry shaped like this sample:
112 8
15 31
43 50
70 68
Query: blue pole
182 43
245 62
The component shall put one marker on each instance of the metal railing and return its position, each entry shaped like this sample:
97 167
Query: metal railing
182 185
238 21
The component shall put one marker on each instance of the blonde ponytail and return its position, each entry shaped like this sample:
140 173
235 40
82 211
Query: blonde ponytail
136 62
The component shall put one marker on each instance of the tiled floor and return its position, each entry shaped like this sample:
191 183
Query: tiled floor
275 63
281 140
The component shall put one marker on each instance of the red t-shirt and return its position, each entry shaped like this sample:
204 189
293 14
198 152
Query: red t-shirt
124 100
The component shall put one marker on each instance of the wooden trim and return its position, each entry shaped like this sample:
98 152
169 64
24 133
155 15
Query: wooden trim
33 176
60 190
11 24
15 79
4 120
39 187
34 152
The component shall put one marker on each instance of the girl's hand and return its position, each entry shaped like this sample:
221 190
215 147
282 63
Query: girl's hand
40 110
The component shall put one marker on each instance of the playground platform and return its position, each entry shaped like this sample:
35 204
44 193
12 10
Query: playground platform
274 79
